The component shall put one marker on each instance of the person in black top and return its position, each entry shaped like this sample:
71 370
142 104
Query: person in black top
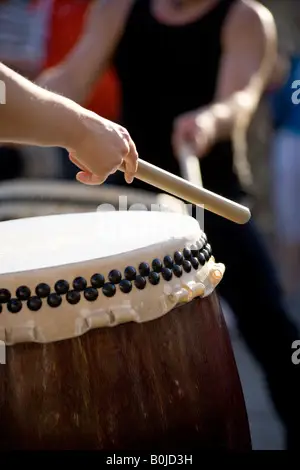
190 71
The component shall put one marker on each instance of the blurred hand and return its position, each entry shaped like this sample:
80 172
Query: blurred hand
197 130
101 149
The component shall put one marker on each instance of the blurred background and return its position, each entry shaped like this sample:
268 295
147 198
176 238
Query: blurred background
34 35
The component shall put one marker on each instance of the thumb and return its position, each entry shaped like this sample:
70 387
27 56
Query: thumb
89 178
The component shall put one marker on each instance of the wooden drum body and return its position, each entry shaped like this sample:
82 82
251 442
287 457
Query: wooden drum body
136 367
169 384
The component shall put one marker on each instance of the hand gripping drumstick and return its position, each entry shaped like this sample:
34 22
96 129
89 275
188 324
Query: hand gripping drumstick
187 191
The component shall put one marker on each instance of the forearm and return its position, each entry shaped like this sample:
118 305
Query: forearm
57 80
237 110
75 76
248 62
32 115
69 82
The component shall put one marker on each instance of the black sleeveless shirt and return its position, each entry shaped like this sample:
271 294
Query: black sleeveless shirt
166 71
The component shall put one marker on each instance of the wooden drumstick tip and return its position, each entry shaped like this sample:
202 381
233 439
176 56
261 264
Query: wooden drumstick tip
191 193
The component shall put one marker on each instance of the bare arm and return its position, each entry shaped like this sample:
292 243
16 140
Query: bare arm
250 53
32 115
280 73
103 27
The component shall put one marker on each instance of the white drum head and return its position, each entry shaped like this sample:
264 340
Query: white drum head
63 275
45 242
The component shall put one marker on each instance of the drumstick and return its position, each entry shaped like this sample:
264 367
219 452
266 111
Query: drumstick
189 165
187 191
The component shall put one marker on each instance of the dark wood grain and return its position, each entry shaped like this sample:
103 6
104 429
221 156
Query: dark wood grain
170 384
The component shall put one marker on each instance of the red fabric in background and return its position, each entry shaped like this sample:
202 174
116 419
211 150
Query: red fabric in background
65 29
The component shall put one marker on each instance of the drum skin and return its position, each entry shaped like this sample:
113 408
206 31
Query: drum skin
166 385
